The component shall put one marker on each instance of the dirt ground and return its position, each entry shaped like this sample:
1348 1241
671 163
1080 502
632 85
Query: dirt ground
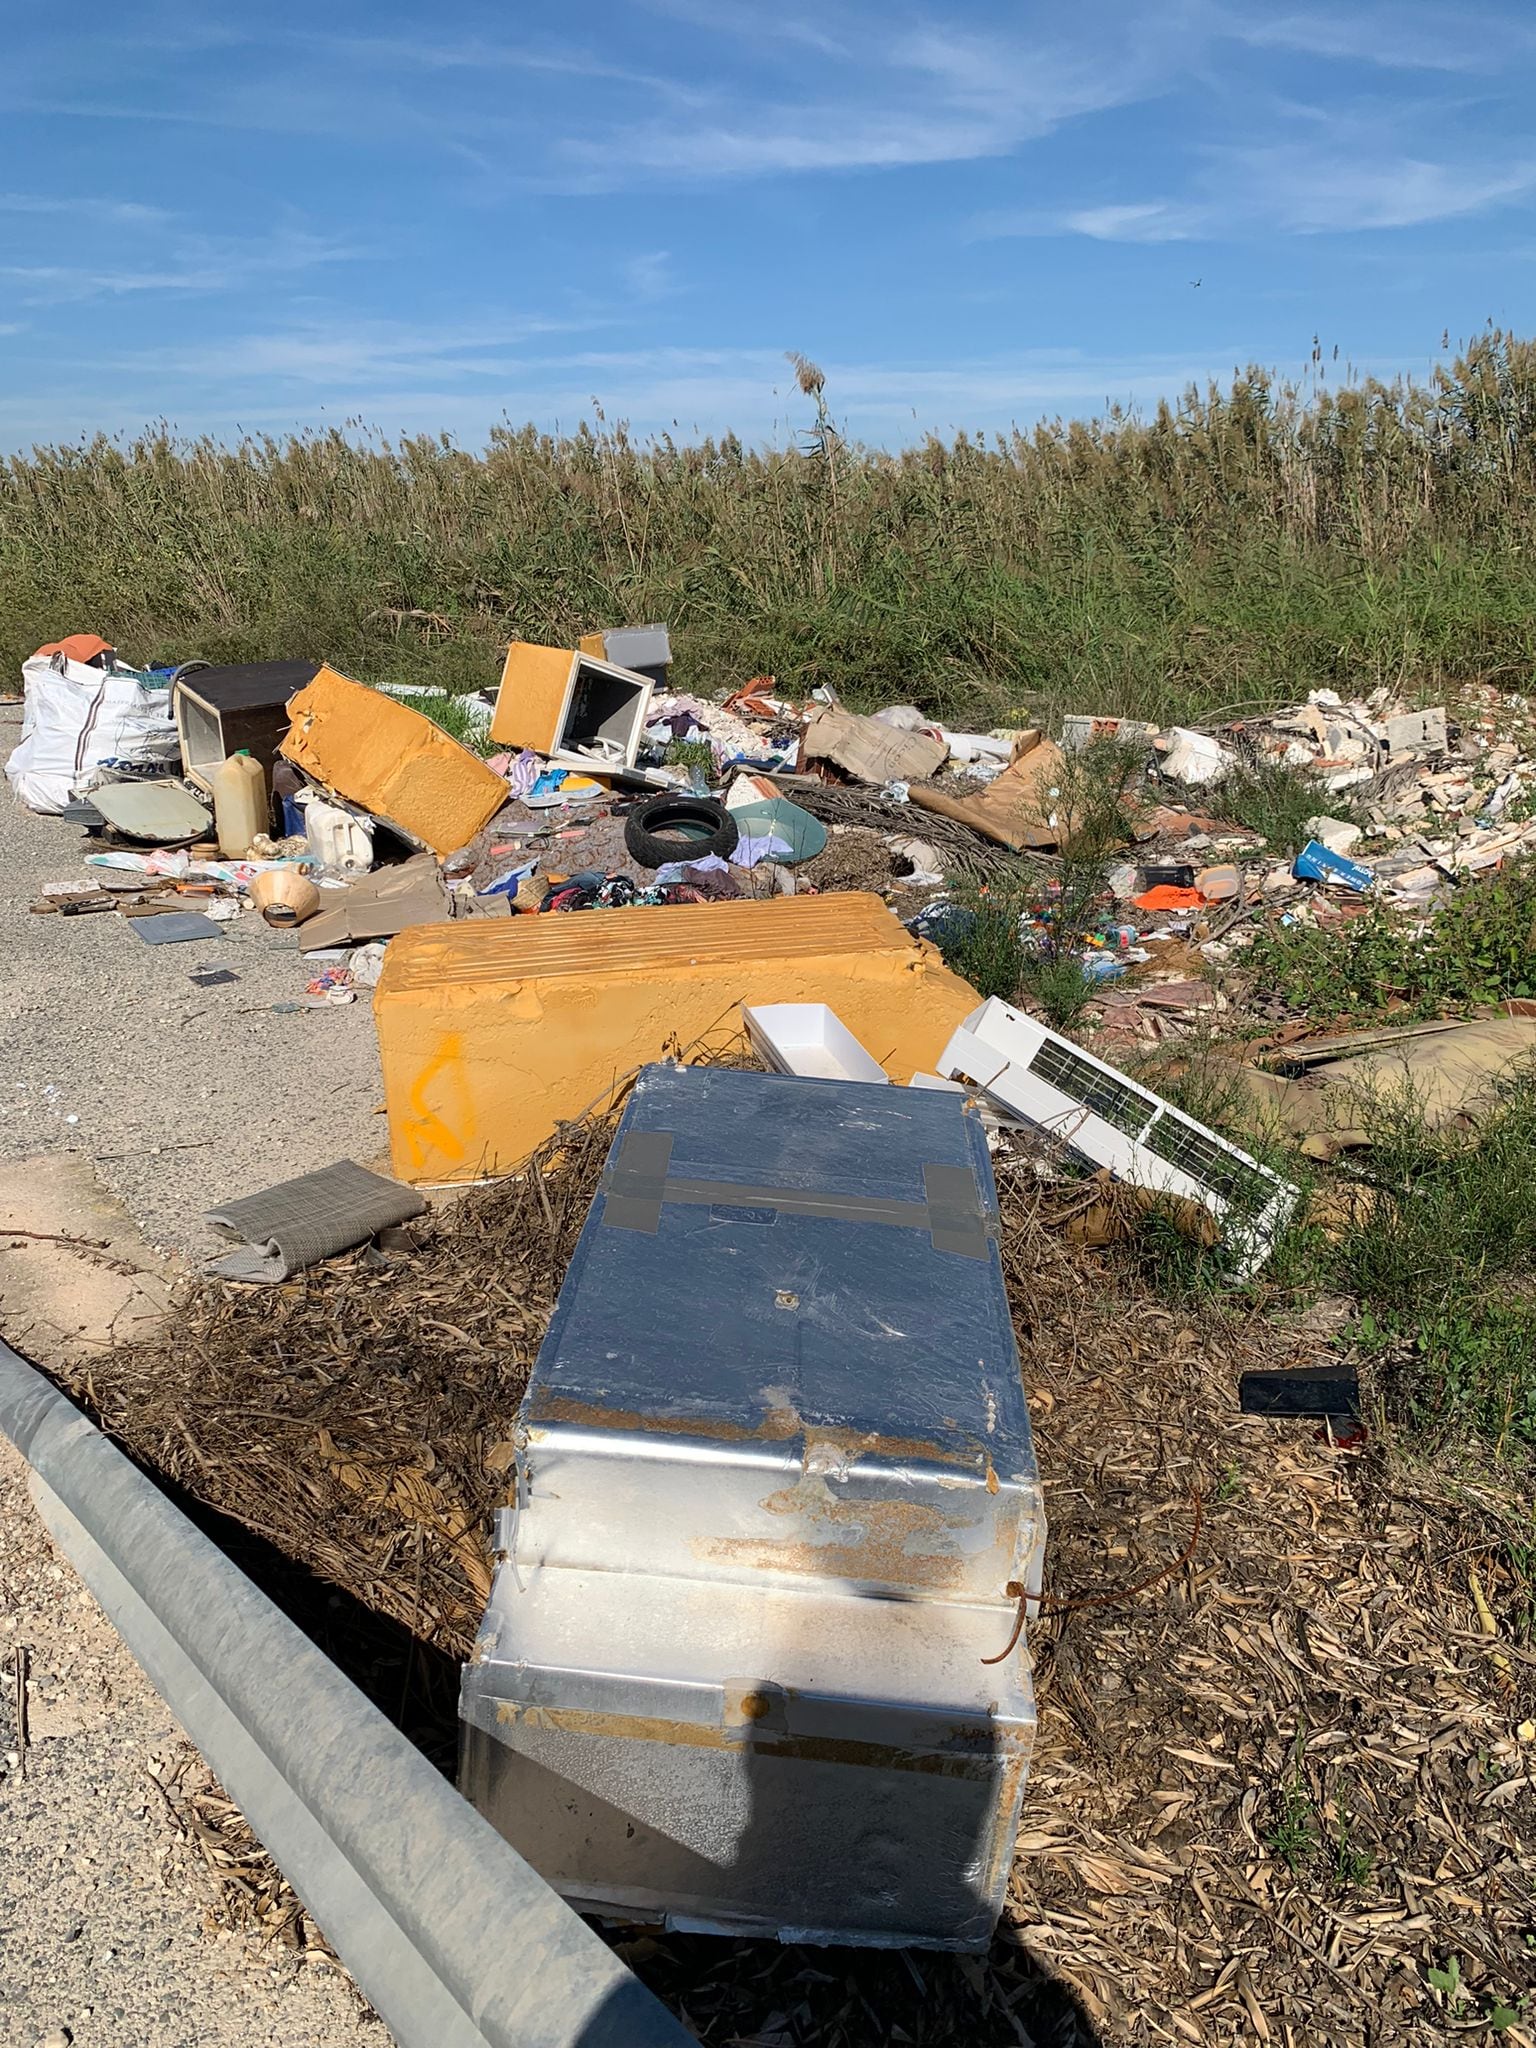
178 1096
114 1931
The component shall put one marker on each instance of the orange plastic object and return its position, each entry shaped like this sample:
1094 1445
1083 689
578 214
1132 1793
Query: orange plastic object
493 1033
1166 898
81 647
386 758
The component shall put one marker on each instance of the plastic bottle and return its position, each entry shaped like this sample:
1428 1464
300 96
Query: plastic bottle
239 803
342 839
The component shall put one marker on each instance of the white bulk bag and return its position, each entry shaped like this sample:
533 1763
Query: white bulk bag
75 717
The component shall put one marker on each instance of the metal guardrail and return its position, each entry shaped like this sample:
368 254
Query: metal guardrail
452 1937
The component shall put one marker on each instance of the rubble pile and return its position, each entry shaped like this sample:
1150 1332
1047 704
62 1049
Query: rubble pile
562 896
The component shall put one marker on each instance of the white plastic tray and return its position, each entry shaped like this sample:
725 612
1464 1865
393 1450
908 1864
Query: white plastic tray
811 1040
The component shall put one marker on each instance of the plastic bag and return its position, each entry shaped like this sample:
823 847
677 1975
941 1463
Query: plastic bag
75 717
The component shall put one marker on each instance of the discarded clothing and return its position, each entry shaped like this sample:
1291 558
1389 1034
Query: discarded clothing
766 846
1166 897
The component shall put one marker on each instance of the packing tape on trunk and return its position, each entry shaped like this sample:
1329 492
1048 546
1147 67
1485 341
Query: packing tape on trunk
638 1184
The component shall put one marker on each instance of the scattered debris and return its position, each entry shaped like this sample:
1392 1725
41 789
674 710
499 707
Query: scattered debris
1111 1120
869 750
1316 863
1332 1093
499 1029
175 927
378 905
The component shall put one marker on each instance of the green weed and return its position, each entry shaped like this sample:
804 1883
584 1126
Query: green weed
1059 987
469 724
1303 1838
1349 1866
1292 1835
1479 949
1229 1487
1027 931
1088 806
987 947
692 754
1275 802
1437 1249
1444 1265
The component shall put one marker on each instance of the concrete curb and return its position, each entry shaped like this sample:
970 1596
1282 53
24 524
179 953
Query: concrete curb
452 1937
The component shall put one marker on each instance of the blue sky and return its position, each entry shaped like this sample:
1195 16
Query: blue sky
973 214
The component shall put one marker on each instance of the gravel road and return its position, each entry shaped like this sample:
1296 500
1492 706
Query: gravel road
180 1096
108 1937
115 1068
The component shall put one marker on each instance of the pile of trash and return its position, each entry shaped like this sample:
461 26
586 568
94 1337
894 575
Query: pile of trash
762 850
606 873
1147 1858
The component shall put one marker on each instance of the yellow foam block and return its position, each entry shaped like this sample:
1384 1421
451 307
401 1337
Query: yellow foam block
491 1034
390 761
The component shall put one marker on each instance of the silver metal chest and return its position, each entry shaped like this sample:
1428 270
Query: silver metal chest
774 1477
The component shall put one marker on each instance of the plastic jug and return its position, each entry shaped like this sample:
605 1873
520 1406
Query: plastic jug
342 840
239 803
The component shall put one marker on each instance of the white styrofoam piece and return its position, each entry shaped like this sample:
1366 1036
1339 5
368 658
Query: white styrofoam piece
1008 1056
811 1040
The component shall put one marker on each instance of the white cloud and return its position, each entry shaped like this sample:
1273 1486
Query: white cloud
763 26
649 276
930 94
1399 38
364 354
748 391
116 212
1306 189
1149 221
1342 180
195 264
1146 220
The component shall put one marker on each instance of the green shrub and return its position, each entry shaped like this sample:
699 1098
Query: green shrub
1477 949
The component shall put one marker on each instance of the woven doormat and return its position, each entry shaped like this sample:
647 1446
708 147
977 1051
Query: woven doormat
298 1222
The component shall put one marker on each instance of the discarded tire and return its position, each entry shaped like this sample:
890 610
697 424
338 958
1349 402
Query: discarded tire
666 828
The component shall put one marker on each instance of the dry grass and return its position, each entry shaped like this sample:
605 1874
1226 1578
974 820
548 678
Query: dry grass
1240 544
1271 1793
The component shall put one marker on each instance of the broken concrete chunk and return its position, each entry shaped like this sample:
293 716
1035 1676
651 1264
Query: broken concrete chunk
1081 729
1412 730
1194 758
1337 834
